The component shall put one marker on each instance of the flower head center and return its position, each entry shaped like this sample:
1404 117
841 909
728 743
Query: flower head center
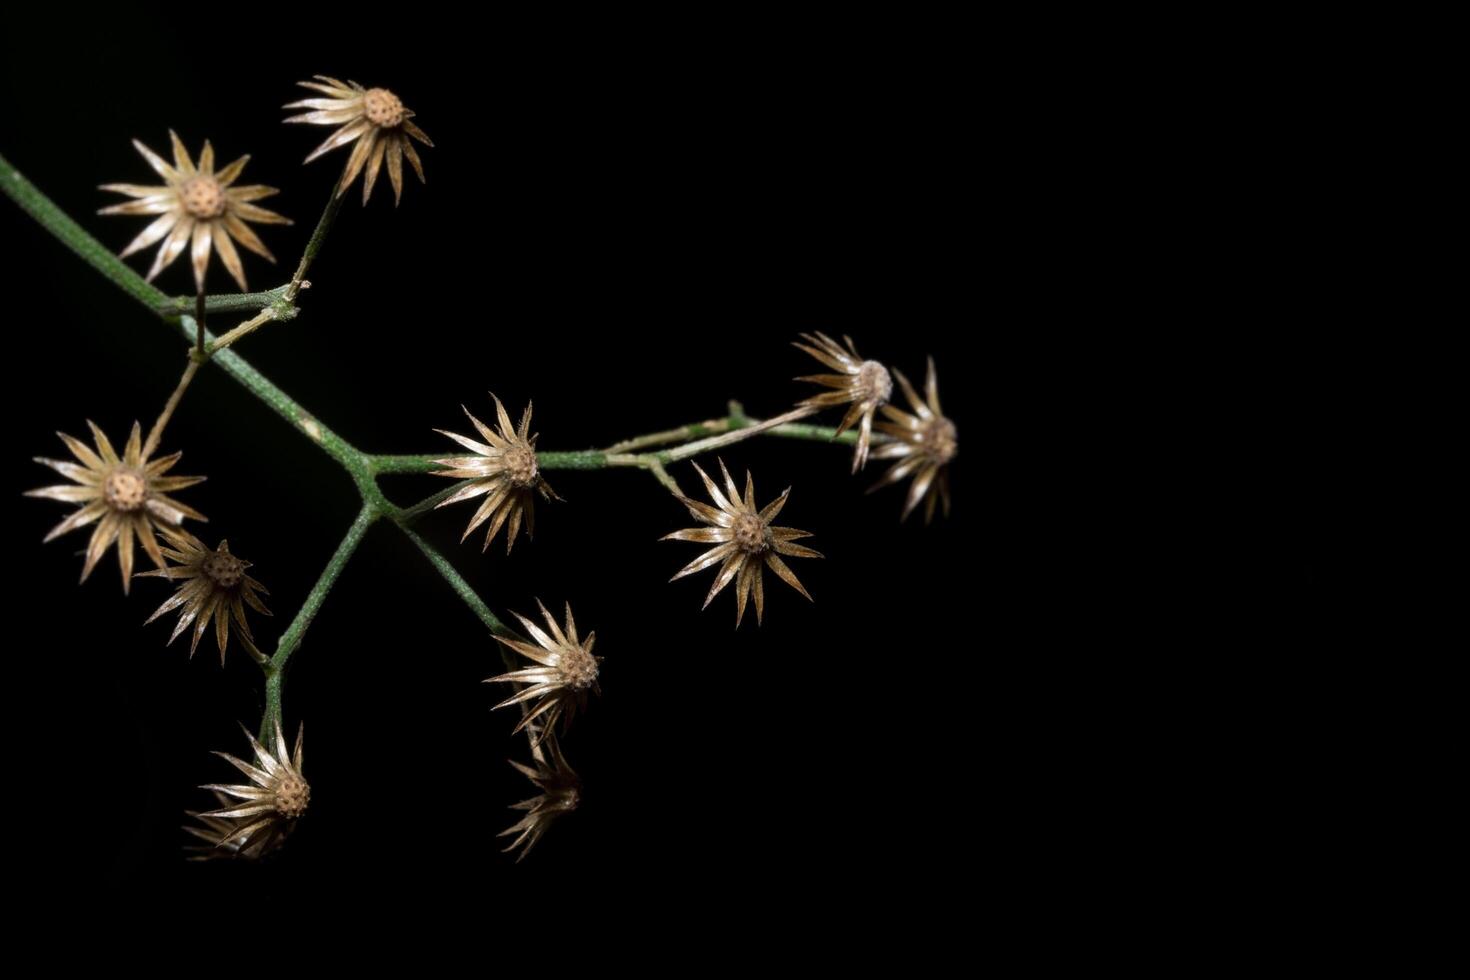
382 108
750 534
223 569
292 795
519 463
939 440
872 384
203 197
125 489
578 668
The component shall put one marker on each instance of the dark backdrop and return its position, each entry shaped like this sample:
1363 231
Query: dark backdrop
630 239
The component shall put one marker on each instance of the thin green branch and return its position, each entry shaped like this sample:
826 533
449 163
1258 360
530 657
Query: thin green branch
291 639
456 582
318 238
75 237
224 303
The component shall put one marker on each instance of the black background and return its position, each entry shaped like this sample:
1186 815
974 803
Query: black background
627 236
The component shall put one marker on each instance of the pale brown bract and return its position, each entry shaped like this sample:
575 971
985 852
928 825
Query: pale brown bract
376 119
561 793
566 670
197 208
923 443
503 471
865 385
125 496
212 585
263 811
743 540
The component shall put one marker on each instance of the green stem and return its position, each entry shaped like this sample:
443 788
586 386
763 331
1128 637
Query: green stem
456 582
291 639
318 238
224 303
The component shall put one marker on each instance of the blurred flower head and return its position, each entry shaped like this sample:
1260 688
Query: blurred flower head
266 809
561 792
923 443
212 586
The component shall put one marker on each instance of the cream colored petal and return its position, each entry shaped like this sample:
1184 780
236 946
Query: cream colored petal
230 174
151 234
125 552
701 535
465 493
726 576
395 168
413 158
490 435
72 471
748 571
346 134
795 550
169 509
469 444
172 247
920 409
918 488
203 237
774 507
324 117
249 212
418 134
242 233
156 162
335 105
68 494
80 518
81 450
253 192
148 205
149 541
931 388
104 445
138 190
230 258
182 162
360 154
206 160
714 492
133 451
102 537
778 566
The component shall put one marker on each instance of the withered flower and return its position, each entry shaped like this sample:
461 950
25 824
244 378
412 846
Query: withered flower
743 539
561 792
267 808
197 207
212 585
923 443
376 118
504 471
864 384
214 830
126 497
567 671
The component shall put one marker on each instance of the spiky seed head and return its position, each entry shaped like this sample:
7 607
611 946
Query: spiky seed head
125 489
872 383
223 568
382 107
203 197
520 465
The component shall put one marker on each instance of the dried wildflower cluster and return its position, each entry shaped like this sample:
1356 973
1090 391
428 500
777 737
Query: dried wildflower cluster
127 496
924 442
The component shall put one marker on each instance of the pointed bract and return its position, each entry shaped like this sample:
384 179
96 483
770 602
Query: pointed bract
923 443
563 670
212 585
561 792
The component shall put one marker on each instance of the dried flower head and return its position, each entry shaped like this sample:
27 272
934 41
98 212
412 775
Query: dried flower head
267 808
126 497
743 539
923 443
504 472
220 838
561 792
864 384
196 207
376 119
212 585
566 671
